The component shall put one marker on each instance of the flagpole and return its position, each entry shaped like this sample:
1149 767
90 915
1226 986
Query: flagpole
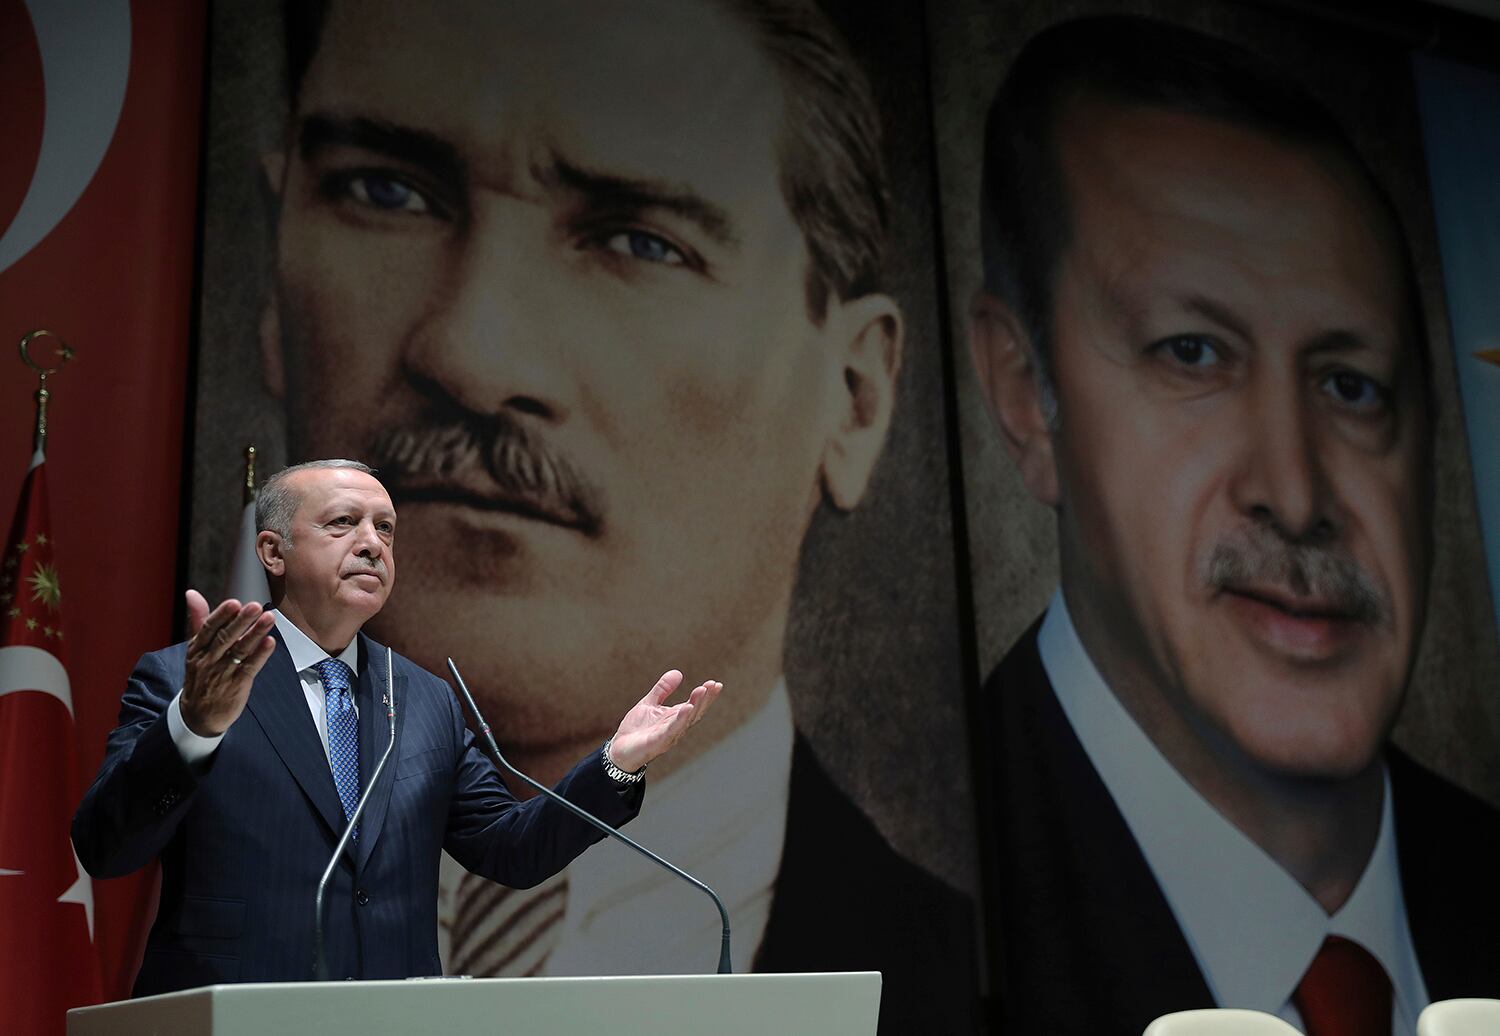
247 578
64 354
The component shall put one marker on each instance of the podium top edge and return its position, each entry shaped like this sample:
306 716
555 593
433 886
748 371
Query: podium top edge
257 988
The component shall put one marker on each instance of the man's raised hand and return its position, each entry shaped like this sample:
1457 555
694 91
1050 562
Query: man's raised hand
228 647
652 727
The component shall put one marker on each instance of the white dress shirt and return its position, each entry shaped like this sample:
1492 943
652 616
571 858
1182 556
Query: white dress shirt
722 817
1252 928
305 654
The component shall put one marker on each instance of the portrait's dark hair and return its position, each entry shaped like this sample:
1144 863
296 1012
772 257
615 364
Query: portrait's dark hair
1136 62
833 175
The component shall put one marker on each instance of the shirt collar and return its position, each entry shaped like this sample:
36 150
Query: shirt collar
1252 928
736 835
305 653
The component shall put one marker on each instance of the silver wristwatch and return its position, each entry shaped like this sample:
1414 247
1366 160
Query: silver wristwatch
615 773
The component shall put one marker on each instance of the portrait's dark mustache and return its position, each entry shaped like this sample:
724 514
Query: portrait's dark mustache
491 456
1263 559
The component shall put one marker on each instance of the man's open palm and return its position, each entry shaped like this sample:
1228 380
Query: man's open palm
652 726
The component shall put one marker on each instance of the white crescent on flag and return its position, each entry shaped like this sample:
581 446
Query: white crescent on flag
85 50
26 668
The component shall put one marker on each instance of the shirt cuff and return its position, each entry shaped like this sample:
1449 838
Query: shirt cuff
193 748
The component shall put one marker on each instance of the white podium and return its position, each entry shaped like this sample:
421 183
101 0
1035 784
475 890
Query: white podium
835 1004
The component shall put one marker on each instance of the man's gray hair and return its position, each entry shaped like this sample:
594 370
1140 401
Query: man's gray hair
276 503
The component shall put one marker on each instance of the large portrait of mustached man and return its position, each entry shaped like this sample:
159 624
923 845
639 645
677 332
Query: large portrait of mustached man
619 302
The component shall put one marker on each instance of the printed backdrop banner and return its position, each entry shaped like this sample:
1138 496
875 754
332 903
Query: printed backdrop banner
651 366
1205 491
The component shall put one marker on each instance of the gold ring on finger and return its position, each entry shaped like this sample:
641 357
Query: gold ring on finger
236 659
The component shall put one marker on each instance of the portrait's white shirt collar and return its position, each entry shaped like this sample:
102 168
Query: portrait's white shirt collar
735 834
722 814
305 653
1252 928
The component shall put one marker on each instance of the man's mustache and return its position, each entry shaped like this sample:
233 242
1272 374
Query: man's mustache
487 461
1332 581
360 564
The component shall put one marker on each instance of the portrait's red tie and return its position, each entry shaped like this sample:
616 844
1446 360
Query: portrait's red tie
1344 992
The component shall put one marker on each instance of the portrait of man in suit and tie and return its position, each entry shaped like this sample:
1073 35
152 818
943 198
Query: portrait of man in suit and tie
600 291
1201 340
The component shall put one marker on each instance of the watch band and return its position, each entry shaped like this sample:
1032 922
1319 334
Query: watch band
615 773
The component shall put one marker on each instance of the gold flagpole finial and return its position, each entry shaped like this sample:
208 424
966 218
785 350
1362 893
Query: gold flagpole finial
249 494
64 354
1489 356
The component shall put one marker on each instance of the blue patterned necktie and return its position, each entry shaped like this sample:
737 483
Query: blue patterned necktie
343 732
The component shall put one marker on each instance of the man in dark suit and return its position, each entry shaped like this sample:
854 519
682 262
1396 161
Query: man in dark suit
1201 341
245 812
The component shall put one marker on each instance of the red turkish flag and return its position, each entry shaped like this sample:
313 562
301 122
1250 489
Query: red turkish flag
47 958
101 103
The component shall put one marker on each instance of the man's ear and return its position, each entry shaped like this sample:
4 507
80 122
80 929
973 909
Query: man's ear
867 334
270 549
1005 362
272 371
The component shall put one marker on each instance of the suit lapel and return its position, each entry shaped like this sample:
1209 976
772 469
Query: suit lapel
1448 847
374 730
1089 943
279 706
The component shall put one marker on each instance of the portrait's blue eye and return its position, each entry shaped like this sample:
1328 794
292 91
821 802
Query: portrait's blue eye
646 247
1191 350
1354 390
385 193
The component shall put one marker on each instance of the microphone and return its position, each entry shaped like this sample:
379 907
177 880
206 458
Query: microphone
320 964
725 968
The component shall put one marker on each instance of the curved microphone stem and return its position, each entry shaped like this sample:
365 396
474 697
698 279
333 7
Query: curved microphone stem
725 968
320 964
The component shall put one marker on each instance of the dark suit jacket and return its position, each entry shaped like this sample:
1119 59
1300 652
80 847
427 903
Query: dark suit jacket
244 838
845 901
1088 943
